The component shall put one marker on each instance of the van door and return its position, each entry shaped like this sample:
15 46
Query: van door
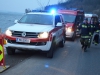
59 29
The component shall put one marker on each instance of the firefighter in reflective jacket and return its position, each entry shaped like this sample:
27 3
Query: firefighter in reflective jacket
92 30
96 34
85 34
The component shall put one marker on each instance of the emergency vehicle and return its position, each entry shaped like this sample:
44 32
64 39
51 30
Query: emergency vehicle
72 19
36 31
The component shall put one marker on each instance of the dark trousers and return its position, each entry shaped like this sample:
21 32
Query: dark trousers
96 38
84 42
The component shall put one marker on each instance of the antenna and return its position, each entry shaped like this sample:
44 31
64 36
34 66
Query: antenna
48 2
40 4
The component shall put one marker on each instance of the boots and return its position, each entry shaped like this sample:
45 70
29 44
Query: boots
85 48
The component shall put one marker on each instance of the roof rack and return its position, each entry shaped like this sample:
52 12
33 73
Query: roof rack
39 11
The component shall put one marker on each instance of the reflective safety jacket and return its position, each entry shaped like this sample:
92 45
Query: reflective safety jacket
97 27
92 28
85 30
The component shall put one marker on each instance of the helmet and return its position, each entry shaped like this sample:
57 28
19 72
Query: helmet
85 20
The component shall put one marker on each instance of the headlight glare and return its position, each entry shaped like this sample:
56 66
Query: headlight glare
43 35
8 33
69 29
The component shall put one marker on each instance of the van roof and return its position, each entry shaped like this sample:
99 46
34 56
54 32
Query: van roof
43 13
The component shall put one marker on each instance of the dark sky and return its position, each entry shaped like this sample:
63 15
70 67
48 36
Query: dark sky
21 5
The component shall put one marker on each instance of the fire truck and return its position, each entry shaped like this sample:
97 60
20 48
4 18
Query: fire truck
72 19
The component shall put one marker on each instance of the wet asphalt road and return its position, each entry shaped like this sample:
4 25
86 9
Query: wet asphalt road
70 60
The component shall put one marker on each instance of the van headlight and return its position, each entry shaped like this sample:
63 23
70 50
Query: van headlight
43 35
69 29
8 33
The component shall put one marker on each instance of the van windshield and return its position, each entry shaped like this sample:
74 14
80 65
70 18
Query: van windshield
69 18
37 19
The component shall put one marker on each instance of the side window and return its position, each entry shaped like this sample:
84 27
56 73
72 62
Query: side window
62 19
77 19
80 18
57 19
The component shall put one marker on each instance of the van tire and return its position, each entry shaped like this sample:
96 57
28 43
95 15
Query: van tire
50 52
10 51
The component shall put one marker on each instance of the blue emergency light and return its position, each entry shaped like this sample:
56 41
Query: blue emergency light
53 11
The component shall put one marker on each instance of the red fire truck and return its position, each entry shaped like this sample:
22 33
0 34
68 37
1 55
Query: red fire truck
72 18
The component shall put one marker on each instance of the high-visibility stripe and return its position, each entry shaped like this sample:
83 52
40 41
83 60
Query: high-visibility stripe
84 26
97 31
89 33
91 26
77 30
1 56
85 36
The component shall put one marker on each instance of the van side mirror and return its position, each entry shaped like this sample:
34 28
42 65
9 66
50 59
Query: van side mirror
16 21
66 22
59 24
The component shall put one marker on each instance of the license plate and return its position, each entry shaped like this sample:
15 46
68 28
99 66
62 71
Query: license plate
23 40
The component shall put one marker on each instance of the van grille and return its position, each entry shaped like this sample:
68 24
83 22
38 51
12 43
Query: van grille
28 34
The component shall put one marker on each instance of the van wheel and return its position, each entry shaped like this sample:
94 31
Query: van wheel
61 44
50 52
10 51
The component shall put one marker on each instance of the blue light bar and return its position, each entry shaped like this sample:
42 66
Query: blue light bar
53 11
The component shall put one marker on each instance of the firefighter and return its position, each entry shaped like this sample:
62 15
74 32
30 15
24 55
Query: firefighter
96 34
92 29
85 34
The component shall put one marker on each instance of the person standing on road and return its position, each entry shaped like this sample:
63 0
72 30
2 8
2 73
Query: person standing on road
92 29
96 34
85 34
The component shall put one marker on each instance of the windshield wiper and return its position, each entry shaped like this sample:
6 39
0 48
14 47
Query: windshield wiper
36 23
67 22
